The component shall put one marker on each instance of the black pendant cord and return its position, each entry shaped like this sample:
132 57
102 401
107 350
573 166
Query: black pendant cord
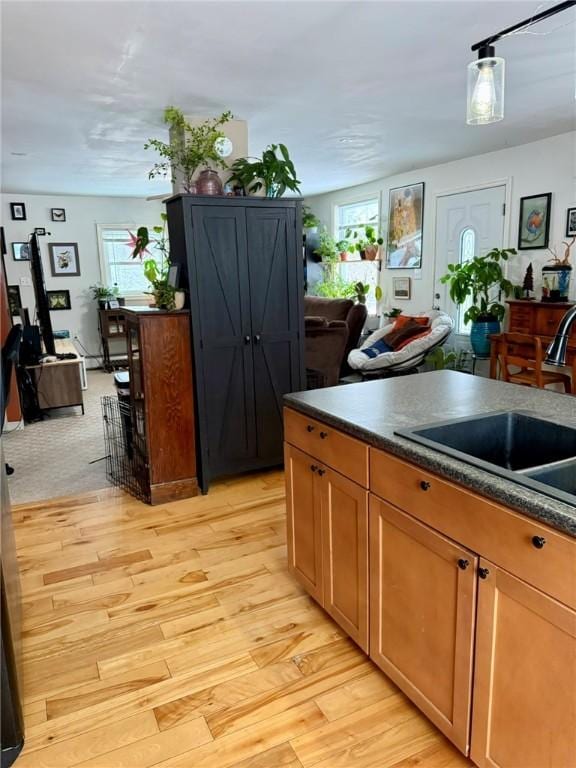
488 41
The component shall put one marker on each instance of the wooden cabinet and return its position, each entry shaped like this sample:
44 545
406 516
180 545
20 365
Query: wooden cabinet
525 676
540 318
242 261
469 607
161 403
328 540
422 598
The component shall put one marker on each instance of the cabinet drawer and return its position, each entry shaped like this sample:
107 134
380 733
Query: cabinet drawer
504 537
339 451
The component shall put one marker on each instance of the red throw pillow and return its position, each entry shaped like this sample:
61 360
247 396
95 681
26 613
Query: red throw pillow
413 338
403 320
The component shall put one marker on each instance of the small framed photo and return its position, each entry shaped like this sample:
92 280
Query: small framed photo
39 230
534 225
401 288
58 214
14 299
58 300
173 275
571 222
64 260
18 211
113 304
20 251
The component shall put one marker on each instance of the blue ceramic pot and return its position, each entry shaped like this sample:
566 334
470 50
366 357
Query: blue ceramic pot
479 337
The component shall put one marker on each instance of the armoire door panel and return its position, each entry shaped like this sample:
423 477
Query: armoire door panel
272 371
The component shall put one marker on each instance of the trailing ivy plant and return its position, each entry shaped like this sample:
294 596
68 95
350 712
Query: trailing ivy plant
191 147
482 280
274 174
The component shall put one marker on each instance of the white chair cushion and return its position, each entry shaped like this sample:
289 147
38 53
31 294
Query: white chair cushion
412 354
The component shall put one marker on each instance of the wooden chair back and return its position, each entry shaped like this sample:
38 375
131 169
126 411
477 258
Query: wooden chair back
524 352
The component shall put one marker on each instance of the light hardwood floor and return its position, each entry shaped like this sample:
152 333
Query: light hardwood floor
174 637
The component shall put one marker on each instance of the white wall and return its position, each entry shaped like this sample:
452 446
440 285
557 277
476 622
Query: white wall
539 167
83 214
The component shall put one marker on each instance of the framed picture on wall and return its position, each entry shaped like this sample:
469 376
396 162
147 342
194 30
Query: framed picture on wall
58 300
58 214
14 299
20 251
18 211
64 260
401 288
571 222
405 226
534 224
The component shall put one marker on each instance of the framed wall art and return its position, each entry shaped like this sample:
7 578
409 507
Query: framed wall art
58 300
64 260
14 299
20 251
58 214
534 224
571 222
18 211
401 288
405 226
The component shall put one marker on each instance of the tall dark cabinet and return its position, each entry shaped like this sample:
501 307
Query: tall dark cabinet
241 259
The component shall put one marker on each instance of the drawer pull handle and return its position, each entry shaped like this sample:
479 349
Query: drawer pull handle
323 435
483 573
538 541
321 472
425 485
309 428
313 467
463 564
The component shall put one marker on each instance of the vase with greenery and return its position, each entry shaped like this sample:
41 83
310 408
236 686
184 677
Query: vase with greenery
103 294
481 283
272 173
156 270
191 147
366 244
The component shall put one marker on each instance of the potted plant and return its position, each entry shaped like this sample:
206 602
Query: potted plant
310 221
191 147
482 280
103 294
156 271
327 248
343 248
367 245
271 173
333 286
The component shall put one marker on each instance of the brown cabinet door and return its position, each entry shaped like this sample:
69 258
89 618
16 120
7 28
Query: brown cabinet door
525 676
422 598
304 512
345 560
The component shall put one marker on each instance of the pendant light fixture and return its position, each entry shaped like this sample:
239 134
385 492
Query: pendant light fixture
485 102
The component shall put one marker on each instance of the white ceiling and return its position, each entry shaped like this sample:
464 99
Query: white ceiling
85 84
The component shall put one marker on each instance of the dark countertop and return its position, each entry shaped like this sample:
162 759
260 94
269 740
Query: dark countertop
372 410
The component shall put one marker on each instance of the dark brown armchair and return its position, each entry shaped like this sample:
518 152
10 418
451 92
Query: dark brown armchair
333 311
324 348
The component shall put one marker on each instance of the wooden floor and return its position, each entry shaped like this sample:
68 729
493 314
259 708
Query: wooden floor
174 637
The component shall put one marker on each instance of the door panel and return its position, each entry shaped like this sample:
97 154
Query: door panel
422 616
345 544
276 319
482 212
221 276
304 509
525 676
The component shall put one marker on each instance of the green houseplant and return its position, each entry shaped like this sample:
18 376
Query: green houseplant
156 270
366 244
327 248
191 147
272 173
309 220
481 281
103 294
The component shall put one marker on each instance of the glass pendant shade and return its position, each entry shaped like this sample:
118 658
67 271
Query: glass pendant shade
485 91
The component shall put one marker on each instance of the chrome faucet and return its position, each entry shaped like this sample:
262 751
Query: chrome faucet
556 352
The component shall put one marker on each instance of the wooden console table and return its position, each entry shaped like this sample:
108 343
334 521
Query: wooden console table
536 318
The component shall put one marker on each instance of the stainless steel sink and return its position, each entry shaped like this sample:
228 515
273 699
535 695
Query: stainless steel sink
527 450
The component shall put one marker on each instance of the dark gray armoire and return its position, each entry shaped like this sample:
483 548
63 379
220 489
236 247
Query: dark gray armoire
241 261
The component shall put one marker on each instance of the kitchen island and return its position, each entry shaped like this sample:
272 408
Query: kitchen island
459 584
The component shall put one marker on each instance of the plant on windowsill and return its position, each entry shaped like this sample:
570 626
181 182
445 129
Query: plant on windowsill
367 245
165 295
272 173
482 280
191 147
327 249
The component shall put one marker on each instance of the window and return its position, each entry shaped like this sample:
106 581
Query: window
355 216
117 265
467 253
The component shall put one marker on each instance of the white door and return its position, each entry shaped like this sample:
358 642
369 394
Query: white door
468 224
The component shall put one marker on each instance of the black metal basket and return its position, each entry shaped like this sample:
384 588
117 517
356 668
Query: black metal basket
126 465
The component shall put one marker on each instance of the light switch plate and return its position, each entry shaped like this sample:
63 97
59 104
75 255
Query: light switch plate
417 274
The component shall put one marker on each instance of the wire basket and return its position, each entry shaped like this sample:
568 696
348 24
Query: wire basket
126 464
